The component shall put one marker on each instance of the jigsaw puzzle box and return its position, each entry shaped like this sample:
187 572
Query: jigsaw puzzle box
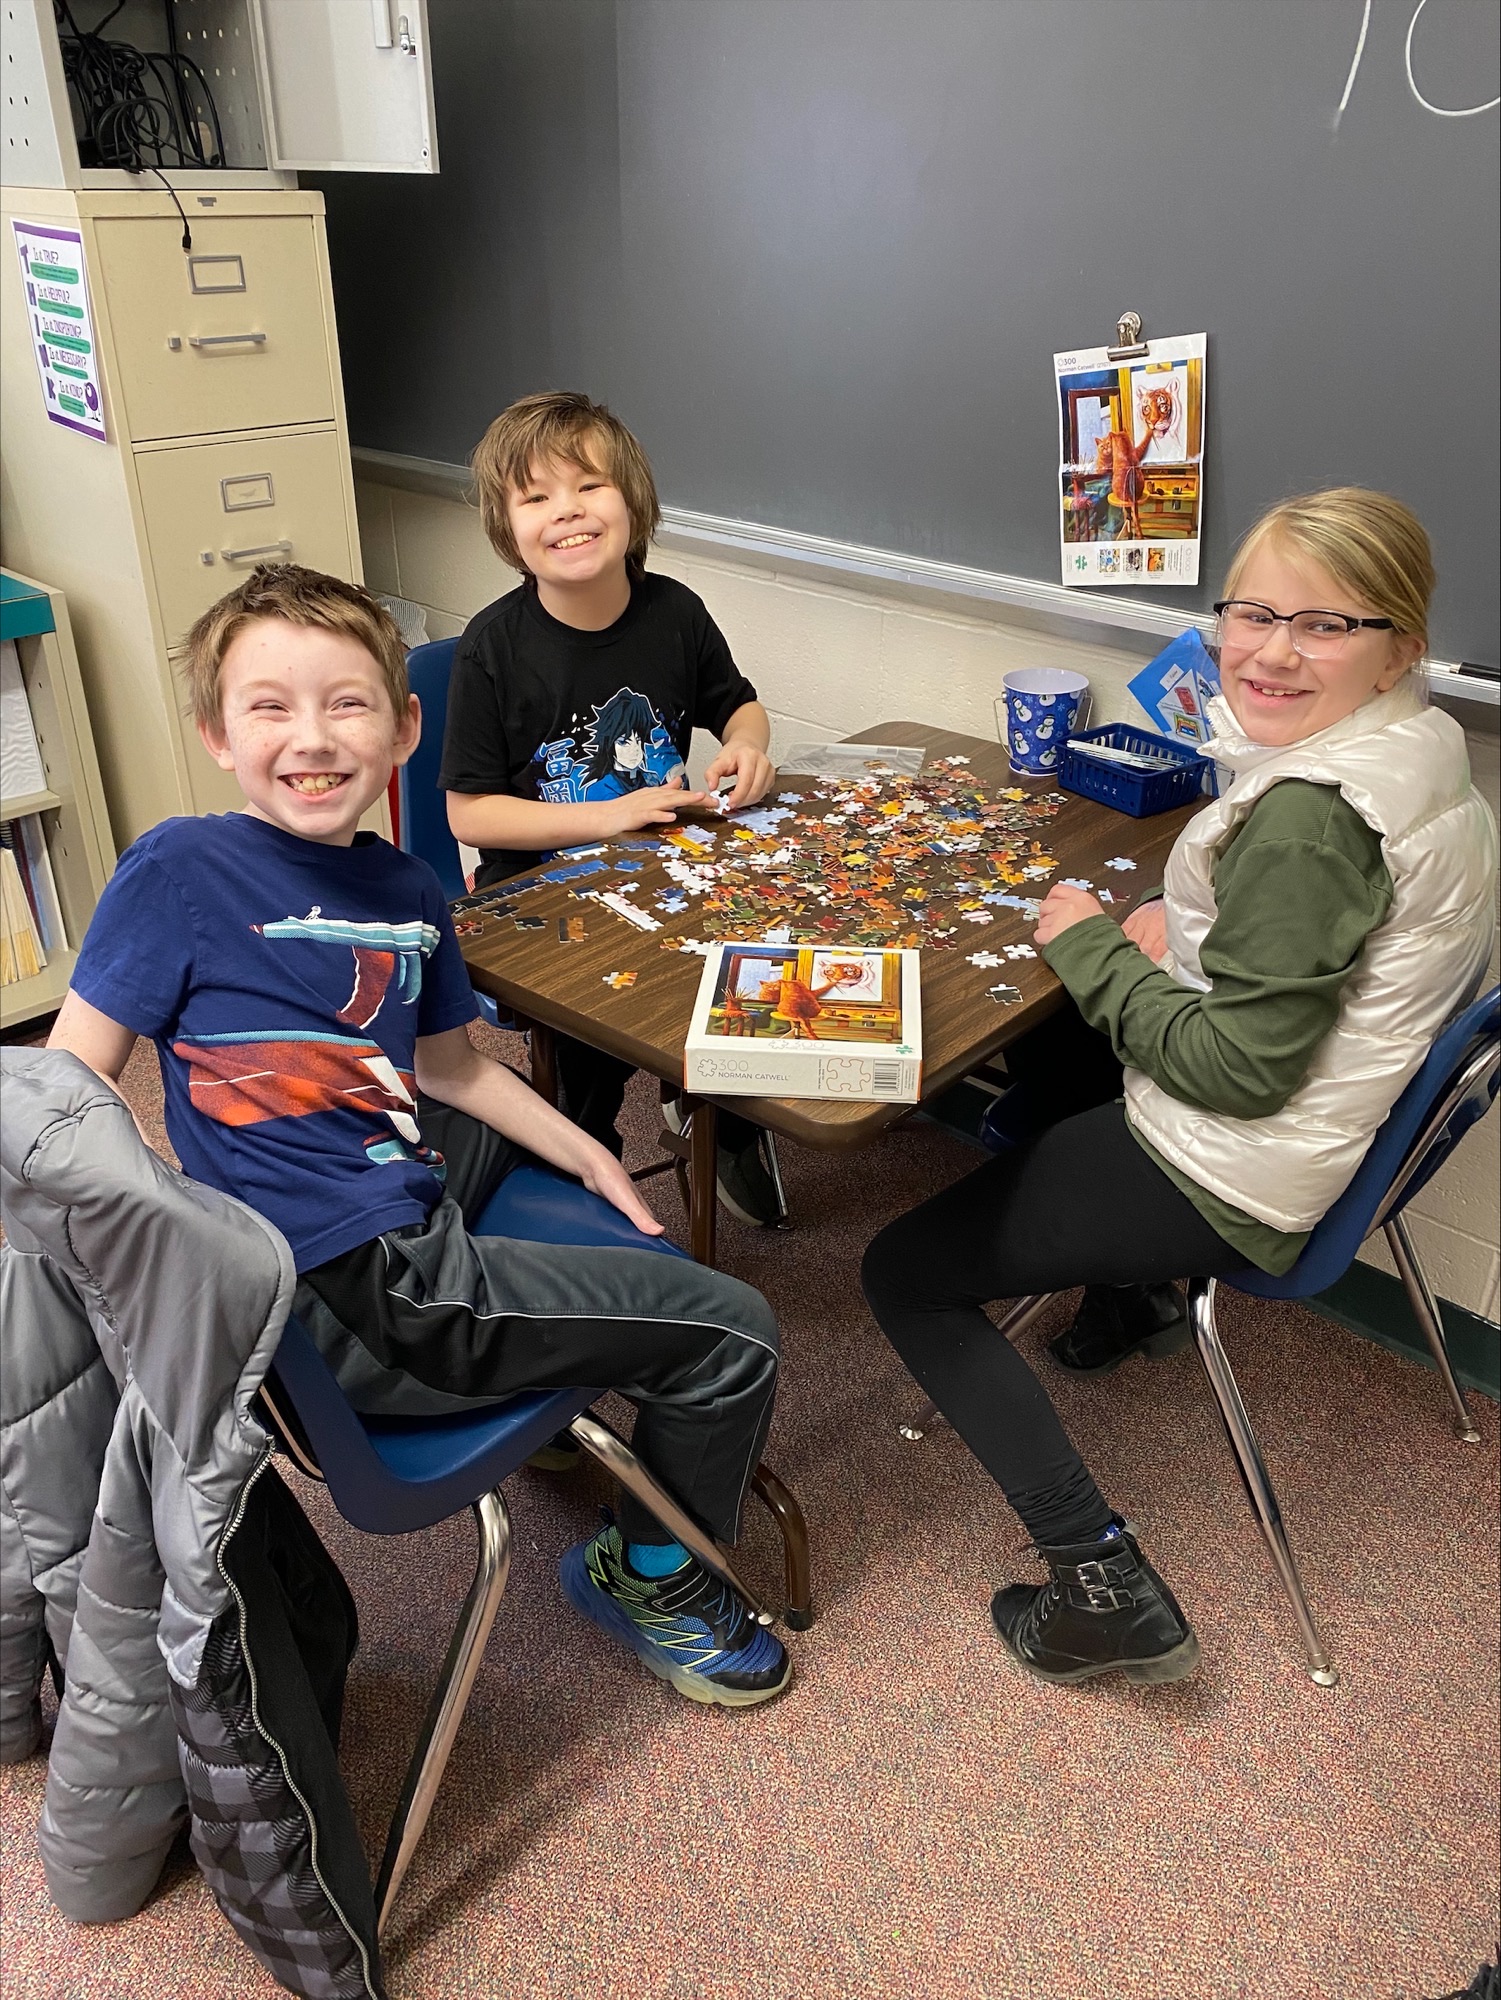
806 1020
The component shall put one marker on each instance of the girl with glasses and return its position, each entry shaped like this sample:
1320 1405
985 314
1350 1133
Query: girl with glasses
1229 1053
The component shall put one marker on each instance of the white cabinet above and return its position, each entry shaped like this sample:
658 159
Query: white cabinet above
269 86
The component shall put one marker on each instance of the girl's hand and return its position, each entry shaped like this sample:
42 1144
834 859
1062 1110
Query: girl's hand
652 805
1147 929
603 1175
1062 908
753 772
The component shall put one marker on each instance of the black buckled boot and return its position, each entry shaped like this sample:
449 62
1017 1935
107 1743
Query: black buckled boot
1104 1610
1116 1320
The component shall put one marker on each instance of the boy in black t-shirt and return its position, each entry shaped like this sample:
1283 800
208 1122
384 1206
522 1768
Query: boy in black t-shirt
308 1000
573 699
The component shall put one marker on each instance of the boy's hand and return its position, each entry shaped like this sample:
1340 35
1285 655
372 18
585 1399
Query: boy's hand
753 772
1147 929
603 1175
653 805
1062 908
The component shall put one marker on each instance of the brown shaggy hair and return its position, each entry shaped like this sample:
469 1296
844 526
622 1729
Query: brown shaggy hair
301 597
561 424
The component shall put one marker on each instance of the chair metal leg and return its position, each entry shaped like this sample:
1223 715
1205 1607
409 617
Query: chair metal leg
617 1457
774 1175
1016 1322
1425 1310
450 1697
928 1418
796 1565
1253 1471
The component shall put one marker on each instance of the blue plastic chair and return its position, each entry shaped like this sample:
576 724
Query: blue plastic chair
1456 1085
424 805
391 1476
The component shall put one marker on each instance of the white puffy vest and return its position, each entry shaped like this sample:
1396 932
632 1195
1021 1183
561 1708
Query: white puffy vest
1405 770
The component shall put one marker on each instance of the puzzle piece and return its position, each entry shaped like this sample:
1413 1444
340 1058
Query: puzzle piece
1077 882
1019 951
1121 862
986 960
619 981
1004 996
530 923
618 903
571 930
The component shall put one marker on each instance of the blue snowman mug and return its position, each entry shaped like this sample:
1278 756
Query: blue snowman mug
1040 709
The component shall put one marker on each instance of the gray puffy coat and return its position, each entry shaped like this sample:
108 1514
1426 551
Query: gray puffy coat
149 1551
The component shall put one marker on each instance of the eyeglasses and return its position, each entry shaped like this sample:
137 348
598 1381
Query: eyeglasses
1317 635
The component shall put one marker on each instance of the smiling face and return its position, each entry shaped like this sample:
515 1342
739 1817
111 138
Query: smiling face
1276 695
307 728
572 526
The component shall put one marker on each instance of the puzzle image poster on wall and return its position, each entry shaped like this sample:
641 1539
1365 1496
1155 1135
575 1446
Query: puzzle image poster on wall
789 1020
1131 463
61 326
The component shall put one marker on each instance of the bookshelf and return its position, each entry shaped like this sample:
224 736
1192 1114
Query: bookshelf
70 808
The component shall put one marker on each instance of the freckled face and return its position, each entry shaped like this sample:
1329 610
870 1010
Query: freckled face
1276 695
307 728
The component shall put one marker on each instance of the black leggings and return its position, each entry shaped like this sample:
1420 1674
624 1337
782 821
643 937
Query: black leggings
1080 1204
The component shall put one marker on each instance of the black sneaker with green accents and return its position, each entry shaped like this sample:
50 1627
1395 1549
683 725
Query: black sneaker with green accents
688 1628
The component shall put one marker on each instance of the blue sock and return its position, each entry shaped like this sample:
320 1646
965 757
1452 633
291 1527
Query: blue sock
655 1559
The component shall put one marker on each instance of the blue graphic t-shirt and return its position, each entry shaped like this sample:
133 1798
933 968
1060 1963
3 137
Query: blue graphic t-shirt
285 984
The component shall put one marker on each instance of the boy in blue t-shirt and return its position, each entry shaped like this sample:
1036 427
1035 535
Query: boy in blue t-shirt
304 988
573 699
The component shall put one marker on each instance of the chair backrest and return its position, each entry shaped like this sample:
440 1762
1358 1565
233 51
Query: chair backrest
1456 1085
424 809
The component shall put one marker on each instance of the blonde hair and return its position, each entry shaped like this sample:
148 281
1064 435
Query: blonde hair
300 597
561 424
1369 542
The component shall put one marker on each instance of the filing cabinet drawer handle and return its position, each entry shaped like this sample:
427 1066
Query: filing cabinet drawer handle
252 555
225 339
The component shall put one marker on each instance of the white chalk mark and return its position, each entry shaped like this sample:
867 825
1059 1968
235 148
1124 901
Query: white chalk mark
1438 110
1365 22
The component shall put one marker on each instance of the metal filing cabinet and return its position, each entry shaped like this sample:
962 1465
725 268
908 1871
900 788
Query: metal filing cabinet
218 362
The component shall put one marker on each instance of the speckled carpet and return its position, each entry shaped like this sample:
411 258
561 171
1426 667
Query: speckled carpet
915 1820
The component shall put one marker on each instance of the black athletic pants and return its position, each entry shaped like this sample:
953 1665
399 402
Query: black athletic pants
1079 1204
427 1320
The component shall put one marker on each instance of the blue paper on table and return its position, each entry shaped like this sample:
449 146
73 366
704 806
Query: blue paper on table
1176 687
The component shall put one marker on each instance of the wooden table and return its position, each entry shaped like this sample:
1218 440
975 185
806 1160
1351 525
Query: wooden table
555 987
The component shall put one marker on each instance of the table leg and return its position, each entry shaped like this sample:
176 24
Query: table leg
544 1062
703 1163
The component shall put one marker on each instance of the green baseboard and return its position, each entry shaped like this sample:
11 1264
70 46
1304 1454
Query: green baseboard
1366 1300
1373 1302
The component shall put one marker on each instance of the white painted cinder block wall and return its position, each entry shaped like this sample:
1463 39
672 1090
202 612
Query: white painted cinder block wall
830 655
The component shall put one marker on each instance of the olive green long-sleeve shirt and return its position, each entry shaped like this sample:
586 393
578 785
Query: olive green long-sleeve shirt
1299 887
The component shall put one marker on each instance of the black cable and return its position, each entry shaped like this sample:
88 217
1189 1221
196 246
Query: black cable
187 234
133 109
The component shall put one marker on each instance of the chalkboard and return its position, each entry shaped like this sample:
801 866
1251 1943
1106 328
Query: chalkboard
819 253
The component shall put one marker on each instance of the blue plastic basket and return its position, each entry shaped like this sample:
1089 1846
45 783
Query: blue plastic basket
1139 793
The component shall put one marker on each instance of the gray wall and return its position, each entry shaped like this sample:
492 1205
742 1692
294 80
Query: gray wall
819 254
